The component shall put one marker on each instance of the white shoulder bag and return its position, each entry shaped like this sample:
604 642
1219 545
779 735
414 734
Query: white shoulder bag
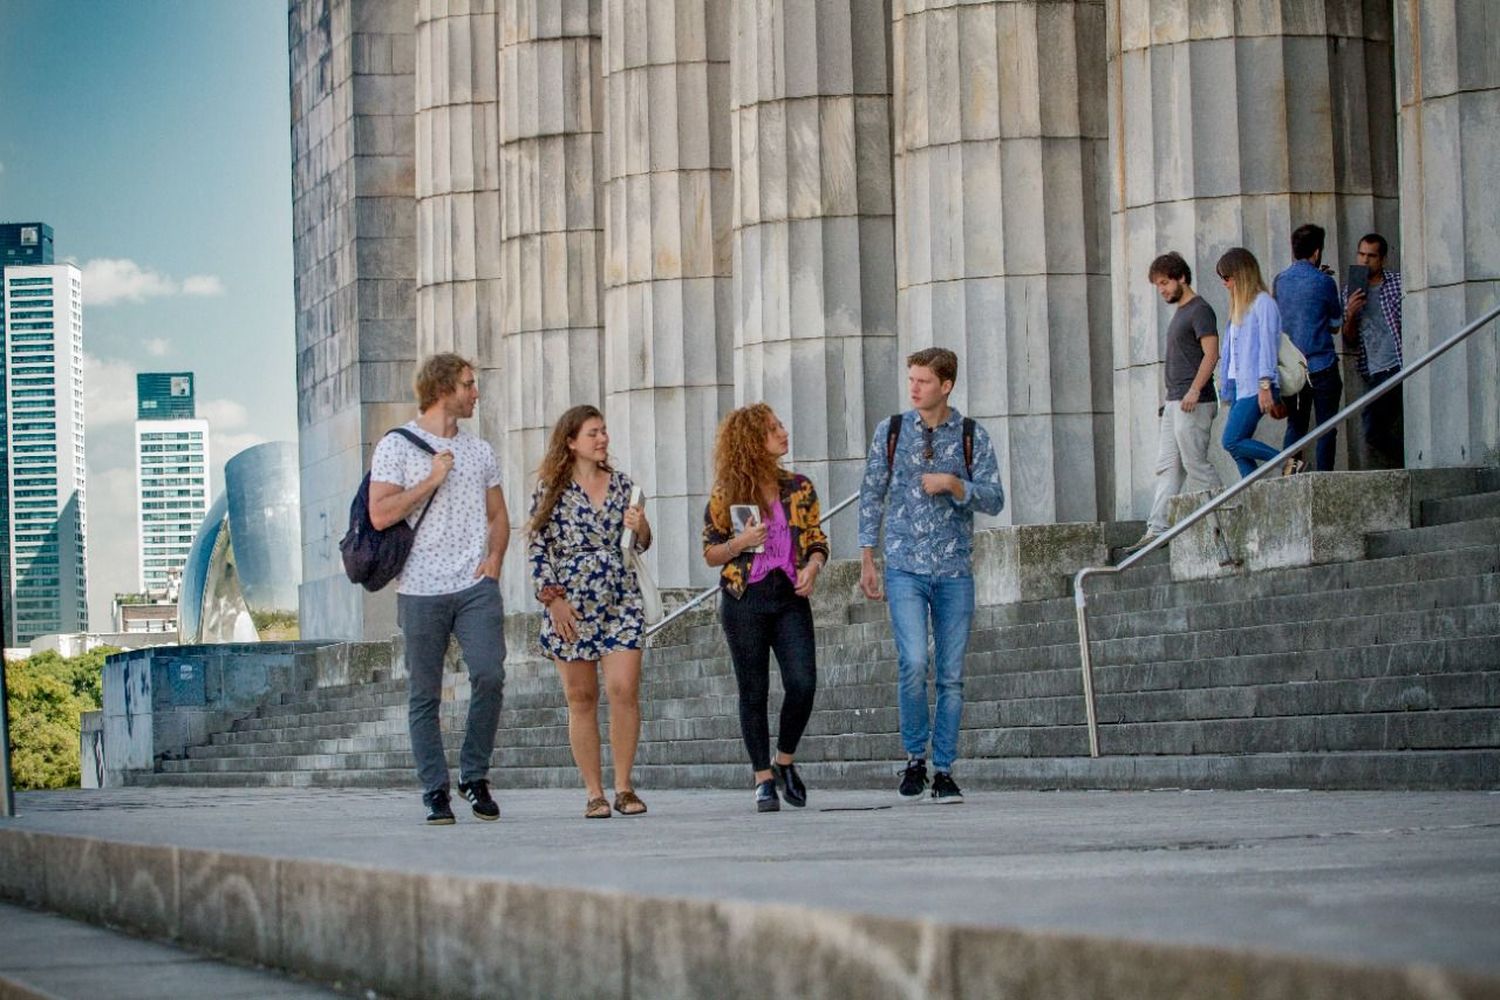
1291 367
650 595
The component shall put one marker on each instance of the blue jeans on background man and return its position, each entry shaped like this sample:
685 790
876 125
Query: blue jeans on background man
1239 434
948 601
1320 397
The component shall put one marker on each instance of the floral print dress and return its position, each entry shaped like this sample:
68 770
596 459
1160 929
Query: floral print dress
579 549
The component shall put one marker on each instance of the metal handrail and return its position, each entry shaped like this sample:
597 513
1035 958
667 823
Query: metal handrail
1080 598
711 591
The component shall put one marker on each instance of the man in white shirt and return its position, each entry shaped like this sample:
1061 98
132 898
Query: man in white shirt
450 582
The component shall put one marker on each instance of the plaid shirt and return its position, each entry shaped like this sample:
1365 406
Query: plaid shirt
1388 295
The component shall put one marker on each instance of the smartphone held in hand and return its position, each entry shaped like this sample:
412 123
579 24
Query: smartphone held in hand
1359 278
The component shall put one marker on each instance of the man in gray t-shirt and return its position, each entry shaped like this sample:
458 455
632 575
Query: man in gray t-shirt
1192 352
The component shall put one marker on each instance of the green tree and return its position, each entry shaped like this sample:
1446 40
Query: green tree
48 693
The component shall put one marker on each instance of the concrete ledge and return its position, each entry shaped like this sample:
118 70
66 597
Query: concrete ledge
1030 562
421 935
1305 520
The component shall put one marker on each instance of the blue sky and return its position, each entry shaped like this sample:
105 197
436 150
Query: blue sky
153 136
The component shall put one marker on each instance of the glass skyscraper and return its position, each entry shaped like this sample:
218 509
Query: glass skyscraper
43 552
171 474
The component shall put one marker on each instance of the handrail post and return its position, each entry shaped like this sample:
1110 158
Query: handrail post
1080 603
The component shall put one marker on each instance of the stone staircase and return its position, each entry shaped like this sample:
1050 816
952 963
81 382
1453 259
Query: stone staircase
1383 672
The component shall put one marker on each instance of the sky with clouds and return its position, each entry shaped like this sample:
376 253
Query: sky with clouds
153 136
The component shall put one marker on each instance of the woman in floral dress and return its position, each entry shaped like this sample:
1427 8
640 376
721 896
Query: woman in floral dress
594 620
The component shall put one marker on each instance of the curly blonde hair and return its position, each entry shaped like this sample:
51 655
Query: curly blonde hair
556 471
742 465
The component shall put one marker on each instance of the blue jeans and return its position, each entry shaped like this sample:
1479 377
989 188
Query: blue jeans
948 601
1239 435
1319 398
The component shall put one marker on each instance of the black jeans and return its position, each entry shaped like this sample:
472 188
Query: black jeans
1320 398
771 617
1383 423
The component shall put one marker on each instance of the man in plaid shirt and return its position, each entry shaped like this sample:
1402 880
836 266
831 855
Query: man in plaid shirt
1377 334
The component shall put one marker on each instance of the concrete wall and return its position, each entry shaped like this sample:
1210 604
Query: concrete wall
158 702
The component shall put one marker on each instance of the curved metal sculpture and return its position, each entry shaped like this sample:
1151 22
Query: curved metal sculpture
241 576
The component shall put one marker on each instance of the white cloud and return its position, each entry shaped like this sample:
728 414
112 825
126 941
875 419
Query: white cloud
223 414
157 347
108 392
107 280
202 284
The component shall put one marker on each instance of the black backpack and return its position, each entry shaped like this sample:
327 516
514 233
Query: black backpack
374 558
893 431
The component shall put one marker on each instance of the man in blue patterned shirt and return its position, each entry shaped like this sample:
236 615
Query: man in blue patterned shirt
925 485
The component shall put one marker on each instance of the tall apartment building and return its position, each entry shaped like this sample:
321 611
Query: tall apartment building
171 474
45 510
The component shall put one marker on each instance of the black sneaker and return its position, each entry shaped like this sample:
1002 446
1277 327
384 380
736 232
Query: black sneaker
945 789
478 794
914 778
439 812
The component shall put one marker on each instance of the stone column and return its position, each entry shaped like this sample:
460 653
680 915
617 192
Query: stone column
551 227
1231 125
814 241
354 253
1448 73
1001 254
458 194
668 296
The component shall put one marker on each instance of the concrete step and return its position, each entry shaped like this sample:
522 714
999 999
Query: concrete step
869 708
1389 770
1472 507
1483 531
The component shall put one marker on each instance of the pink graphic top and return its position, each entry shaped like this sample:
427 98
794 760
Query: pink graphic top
778 549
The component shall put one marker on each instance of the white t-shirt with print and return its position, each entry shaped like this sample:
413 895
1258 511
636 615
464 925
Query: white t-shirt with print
454 536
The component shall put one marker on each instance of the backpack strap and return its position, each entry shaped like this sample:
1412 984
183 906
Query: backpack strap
414 439
892 432
969 445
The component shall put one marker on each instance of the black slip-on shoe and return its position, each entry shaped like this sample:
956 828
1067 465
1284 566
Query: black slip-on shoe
765 797
789 784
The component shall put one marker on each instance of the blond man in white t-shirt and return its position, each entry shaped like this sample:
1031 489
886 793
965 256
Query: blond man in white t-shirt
449 584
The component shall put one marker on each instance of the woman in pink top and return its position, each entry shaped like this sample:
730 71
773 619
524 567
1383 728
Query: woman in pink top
767 573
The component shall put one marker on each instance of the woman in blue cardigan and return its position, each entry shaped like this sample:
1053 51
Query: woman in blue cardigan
1247 370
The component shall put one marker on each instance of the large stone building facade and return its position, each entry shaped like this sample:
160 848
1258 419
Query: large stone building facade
671 207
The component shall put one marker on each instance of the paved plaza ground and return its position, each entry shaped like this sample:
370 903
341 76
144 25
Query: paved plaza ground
1384 877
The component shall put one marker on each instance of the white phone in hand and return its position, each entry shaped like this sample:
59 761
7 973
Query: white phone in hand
743 516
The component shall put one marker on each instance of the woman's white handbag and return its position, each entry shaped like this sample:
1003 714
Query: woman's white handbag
1291 368
650 595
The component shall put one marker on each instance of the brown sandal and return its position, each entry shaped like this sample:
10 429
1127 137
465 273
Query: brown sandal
627 803
597 808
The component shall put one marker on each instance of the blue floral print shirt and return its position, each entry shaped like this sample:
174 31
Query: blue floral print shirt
931 535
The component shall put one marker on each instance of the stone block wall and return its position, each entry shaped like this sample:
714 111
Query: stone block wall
1448 54
354 240
671 207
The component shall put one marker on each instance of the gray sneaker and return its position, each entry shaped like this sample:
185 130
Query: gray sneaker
1142 542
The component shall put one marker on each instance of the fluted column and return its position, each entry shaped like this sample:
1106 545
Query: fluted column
551 225
1448 79
668 296
814 241
1231 125
1000 160
458 194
